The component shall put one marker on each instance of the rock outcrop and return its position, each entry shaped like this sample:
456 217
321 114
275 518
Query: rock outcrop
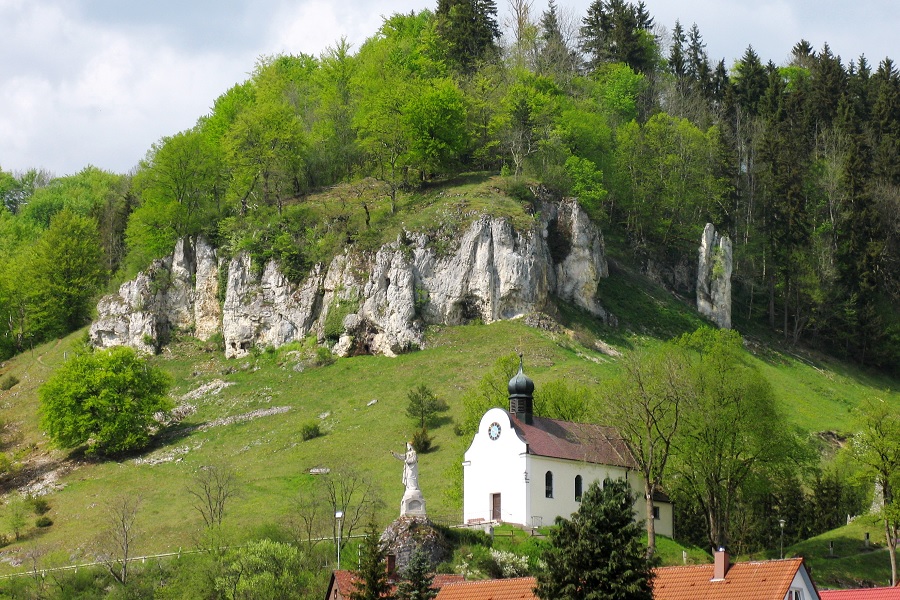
714 277
364 303
178 292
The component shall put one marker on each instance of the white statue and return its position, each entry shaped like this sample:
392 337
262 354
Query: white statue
410 467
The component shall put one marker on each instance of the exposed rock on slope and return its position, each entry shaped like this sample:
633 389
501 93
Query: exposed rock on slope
365 303
176 292
714 277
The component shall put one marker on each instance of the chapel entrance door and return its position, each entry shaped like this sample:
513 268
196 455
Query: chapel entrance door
495 507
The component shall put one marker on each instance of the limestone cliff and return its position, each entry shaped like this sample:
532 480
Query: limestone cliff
363 303
714 277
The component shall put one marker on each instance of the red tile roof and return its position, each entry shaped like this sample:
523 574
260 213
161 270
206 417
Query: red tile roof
765 580
575 441
344 582
882 593
490 589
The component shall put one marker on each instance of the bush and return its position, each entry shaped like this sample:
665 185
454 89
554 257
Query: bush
8 382
44 521
334 320
324 357
39 505
310 431
421 441
107 399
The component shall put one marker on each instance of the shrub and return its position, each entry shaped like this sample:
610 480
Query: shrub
44 521
324 357
310 431
39 505
8 382
334 320
421 441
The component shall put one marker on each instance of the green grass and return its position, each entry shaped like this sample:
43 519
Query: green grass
852 563
272 461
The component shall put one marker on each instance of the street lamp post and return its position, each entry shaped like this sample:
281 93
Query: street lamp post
337 535
781 523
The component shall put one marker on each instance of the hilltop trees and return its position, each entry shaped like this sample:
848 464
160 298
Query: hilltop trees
65 270
469 29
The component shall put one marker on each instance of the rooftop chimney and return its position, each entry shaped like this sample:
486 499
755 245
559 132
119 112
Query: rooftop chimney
720 567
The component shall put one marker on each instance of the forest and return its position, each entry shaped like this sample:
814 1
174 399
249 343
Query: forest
797 163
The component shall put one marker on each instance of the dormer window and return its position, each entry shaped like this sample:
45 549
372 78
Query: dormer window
795 594
548 484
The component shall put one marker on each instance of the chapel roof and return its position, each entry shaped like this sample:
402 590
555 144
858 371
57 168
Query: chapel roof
582 442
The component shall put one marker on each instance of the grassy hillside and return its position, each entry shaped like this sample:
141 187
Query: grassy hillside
253 423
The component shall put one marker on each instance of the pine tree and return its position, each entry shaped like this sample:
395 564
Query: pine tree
750 83
677 62
598 554
617 31
372 577
470 30
555 57
416 579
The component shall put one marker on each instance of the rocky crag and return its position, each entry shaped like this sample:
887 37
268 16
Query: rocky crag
714 277
362 303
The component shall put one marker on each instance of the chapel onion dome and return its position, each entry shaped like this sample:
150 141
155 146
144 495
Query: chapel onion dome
520 385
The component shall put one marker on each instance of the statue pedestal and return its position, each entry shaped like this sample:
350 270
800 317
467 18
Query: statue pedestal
413 504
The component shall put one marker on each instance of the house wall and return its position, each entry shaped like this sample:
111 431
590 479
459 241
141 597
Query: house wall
495 466
500 466
803 583
545 510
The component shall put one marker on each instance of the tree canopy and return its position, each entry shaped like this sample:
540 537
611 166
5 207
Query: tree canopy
598 553
106 399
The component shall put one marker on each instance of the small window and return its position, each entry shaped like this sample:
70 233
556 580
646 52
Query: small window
578 488
656 512
548 484
795 595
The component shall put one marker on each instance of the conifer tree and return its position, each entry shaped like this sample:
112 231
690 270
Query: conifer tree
618 31
416 579
598 553
372 577
677 62
470 30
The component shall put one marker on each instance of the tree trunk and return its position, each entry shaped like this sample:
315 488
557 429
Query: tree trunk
651 524
890 535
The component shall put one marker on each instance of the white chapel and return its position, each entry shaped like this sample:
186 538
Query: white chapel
528 470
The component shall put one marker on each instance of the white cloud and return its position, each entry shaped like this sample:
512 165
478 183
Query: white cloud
98 81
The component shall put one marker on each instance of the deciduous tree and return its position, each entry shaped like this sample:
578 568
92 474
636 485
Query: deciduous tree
107 399
876 446
645 403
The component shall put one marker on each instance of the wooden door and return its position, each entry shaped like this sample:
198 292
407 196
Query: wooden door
495 507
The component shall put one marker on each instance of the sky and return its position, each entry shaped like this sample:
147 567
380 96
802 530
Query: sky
97 82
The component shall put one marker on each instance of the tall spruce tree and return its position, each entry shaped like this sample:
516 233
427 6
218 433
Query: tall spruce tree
416 579
598 554
470 30
372 577
618 31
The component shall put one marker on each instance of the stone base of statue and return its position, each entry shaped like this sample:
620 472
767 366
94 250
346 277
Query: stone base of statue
408 534
413 504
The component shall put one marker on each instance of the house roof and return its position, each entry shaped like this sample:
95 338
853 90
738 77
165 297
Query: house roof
755 580
345 582
882 593
575 441
490 589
